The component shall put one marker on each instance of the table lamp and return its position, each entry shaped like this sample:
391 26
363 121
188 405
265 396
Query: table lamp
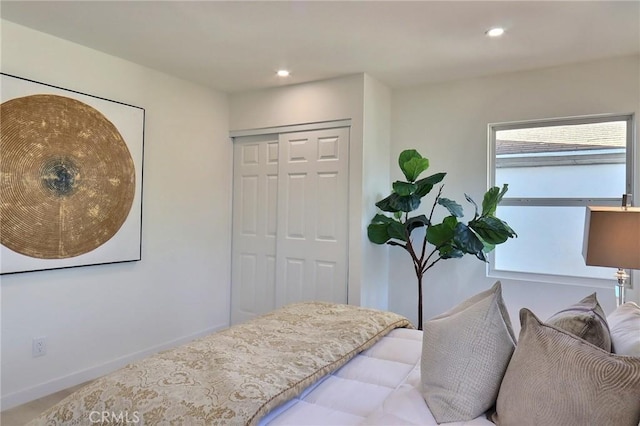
612 239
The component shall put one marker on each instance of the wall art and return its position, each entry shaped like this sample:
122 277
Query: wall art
70 178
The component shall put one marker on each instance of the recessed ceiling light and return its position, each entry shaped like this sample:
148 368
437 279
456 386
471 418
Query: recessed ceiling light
283 73
495 32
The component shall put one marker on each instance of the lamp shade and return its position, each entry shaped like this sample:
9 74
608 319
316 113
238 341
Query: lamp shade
612 237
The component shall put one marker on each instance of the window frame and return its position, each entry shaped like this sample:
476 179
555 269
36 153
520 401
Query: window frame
493 128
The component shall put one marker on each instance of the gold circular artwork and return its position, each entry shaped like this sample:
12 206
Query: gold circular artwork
67 179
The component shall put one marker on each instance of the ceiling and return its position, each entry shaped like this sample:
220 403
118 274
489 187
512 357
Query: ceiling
238 45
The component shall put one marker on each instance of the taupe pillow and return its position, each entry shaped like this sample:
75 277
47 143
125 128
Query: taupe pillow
556 378
585 319
465 353
624 324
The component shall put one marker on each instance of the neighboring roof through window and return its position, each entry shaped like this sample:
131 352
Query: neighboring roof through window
579 137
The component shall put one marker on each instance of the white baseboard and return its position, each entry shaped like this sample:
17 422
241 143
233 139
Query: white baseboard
47 388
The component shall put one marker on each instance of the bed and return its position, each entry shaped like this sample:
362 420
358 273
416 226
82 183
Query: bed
317 363
379 386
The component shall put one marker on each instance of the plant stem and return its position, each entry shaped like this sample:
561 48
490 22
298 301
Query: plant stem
418 264
431 265
424 247
435 202
419 274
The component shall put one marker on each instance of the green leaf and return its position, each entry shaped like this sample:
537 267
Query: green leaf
469 199
443 233
488 247
492 230
489 203
412 164
405 203
453 207
386 206
491 200
466 240
404 188
434 178
383 228
450 252
397 230
377 233
377 229
416 222
425 185
399 203
380 218
439 234
450 221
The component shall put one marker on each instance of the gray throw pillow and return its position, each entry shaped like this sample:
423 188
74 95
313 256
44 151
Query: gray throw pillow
465 353
555 378
585 319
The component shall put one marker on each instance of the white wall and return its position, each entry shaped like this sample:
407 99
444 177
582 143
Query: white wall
350 97
374 264
448 124
97 318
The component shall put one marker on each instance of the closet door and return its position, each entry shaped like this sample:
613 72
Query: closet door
312 245
253 257
290 220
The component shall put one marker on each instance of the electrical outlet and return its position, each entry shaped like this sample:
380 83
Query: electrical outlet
39 347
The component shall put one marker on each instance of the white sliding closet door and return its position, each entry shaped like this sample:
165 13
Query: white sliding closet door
312 217
255 199
290 220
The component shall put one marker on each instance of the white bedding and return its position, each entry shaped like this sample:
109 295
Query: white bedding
380 386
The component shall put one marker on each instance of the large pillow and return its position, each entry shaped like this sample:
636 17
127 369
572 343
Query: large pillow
624 324
465 353
585 319
556 378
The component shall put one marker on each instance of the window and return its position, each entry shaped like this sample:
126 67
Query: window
554 169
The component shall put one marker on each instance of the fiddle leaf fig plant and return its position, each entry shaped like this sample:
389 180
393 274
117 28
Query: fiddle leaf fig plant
446 240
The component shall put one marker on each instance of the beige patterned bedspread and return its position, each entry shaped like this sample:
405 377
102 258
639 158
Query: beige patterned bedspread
232 377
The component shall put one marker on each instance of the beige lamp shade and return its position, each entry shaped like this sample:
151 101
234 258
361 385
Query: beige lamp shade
612 237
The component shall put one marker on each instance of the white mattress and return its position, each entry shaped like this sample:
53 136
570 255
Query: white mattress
380 386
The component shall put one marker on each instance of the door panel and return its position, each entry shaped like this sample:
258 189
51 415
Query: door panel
328 218
294 212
